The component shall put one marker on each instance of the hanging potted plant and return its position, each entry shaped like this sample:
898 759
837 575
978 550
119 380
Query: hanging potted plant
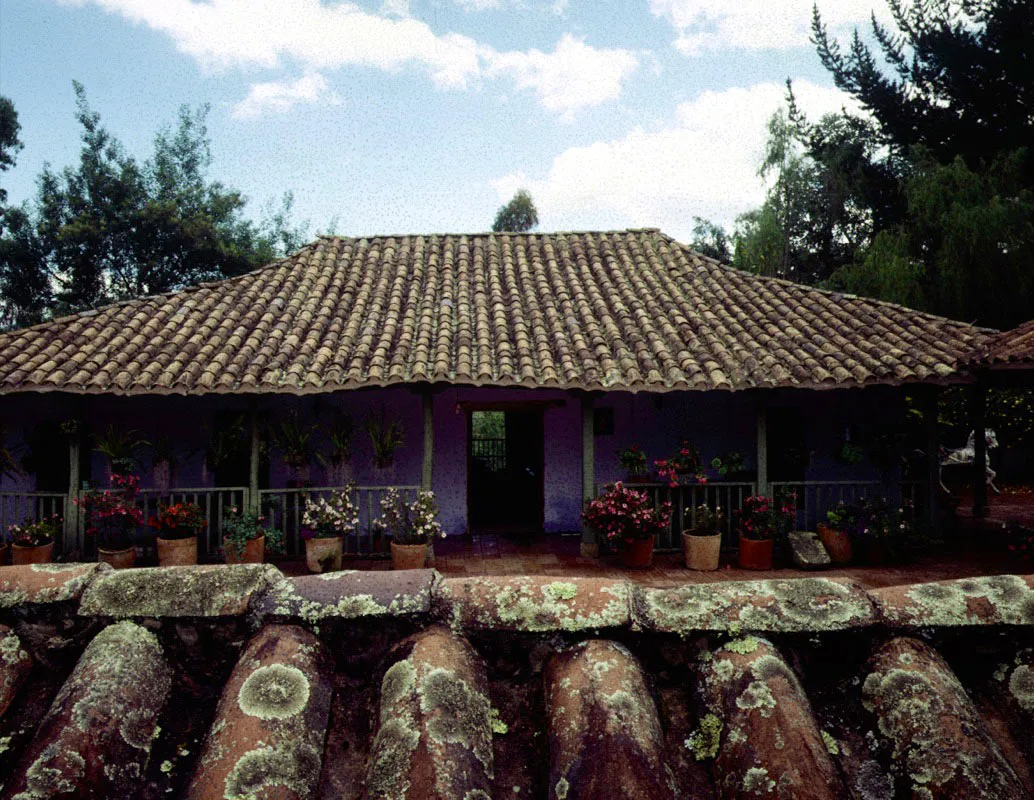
730 466
836 533
627 518
410 527
702 538
339 465
178 527
119 449
32 542
163 463
327 521
225 445
684 466
296 443
246 541
385 439
633 462
762 519
114 517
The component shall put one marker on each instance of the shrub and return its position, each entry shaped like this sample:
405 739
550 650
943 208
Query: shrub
329 518
624 515
763 518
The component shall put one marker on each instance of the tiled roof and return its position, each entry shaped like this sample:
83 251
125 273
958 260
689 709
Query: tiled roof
630 310
1014 348
407 685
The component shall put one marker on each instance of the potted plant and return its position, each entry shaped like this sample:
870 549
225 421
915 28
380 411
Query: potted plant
410 527
730 466
326 522
245 540
120 449
113 517
32 542
882 532
225 445
297 446
178 527
762 519
684 465
633 461
339 465
836 533
702 538
627 518
385 438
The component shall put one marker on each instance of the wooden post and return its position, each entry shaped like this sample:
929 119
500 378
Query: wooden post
928 398
72 514
254 499
979 415
762 446
427 468
589 547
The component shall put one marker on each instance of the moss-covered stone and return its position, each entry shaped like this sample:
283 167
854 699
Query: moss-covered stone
705 740
990 600
204 591
937 741
46 583
777 606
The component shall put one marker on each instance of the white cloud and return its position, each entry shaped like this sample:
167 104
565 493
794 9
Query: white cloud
282 96
477 5
574 75
223 34
706 25
704 165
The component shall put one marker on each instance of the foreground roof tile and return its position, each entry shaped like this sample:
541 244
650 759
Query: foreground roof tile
770 606
622 310
991 600
46 583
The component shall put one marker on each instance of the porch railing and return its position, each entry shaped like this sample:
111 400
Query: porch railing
685 499
815 498
284 509
16 507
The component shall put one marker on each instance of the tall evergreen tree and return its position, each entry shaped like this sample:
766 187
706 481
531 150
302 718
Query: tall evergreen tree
518 215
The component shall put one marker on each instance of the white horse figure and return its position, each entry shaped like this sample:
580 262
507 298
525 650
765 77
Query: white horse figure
967 455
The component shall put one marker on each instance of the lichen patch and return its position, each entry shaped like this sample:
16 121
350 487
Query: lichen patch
275 691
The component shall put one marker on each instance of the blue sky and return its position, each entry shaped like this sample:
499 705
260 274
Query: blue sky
391 116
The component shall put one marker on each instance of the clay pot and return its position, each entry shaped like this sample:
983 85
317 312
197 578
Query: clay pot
408 556
254 551
41 554
755 553
837 544
339 474
177 552
119 559
637 554
323 555
701 551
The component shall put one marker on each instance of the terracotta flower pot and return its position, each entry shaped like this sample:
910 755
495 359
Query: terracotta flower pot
40 554
637 554
408 556
119 559
177 552
755 553
701 551
254 551
323 555
837 544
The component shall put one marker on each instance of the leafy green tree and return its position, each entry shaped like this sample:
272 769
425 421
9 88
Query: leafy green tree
9 141
518 216
112 228
711 240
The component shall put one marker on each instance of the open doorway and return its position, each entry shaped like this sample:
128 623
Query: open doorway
504 471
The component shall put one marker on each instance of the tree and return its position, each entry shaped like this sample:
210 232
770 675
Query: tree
711 240
518 216
9 141
112 228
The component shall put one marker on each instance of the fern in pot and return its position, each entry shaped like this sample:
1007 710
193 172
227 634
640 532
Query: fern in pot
385 439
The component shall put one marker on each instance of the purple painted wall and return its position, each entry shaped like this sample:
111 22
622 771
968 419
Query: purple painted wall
715 422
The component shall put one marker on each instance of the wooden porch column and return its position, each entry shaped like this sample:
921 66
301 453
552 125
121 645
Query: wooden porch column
427 468
253 464
762 446
979 414
72 526
928 401
589 546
